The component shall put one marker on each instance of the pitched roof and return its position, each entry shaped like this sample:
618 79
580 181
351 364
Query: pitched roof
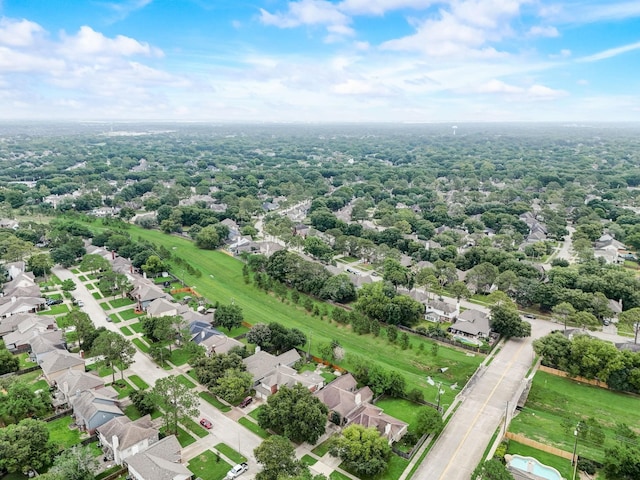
20 291
161 461
369 415
343 396
73 381
284 375
145 291
47 342
20 305
59 360
161 307
472 323
441 306
128 432
262 363
90 402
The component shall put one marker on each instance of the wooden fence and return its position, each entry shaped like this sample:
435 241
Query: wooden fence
560 373
539 446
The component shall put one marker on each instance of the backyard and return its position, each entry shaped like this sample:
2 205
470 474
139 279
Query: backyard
556 405
227 284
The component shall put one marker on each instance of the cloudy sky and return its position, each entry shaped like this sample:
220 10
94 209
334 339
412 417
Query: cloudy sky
320 60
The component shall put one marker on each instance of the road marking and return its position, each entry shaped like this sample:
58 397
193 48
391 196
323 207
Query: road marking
480 411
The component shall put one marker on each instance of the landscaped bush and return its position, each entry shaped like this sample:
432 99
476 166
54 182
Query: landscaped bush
501 451
587 466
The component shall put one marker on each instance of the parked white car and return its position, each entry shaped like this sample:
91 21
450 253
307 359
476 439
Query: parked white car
236 471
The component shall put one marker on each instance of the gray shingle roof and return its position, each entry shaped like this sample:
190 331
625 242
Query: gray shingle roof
161 461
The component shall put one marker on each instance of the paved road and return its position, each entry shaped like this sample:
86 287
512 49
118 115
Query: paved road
225 429
468 432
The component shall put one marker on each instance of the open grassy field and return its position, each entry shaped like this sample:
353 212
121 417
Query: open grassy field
556 405
222 281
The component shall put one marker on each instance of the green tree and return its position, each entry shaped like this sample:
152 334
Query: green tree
363 450
8 361
25 446
94 263
428 420
176 401
277 457
233 385
585 319
40 264
506 321
459 290
68 285
622 461
631 318
82 322
339 288
562 312
75 463
209 369
116 350
208 238
295 413
20 401
228 316
492 469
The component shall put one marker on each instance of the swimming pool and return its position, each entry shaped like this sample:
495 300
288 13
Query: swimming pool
531 465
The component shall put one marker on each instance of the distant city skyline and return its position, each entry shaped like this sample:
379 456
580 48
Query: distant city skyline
320 61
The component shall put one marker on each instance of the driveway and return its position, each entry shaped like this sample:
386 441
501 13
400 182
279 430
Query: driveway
224 429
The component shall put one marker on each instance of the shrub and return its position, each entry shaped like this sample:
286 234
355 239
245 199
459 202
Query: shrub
587 466
501 451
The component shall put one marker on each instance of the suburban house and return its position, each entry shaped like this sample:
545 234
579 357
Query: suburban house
352 405
58 362
471 323
161 307
616 310
73 381
25 328
145 292
202 333
15 268
22 305
270 372
161 461
609 249
42 344
91 409
122 437
440 311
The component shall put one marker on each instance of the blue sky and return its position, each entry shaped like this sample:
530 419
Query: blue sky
320 60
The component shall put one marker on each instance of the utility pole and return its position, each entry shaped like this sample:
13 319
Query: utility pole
506 419
439 390
575 448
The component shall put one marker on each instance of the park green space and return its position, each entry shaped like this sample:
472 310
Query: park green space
556 405
222 281
208 466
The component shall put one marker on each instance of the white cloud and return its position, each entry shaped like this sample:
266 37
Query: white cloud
91 43
540 31
18 33
463 31
305 12
612 52
360 87
532 92
380 7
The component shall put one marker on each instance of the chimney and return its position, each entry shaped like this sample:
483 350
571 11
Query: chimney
358 398
13 299
113 254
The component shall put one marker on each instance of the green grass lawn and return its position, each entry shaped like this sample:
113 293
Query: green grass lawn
556 405
254 427
395 468
195 428
97 295
55 310
335 475
136 327
122 387
213 400
25 362
126 331
255 412
92 286
129 314
185 381
105 306
141 345
82 278
561 464
235 332
138 382
309 460
322 449
184 438
121 302
179 357
208 466
401 409
259 307
60 433
100 368
39 385
230 453
133 413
